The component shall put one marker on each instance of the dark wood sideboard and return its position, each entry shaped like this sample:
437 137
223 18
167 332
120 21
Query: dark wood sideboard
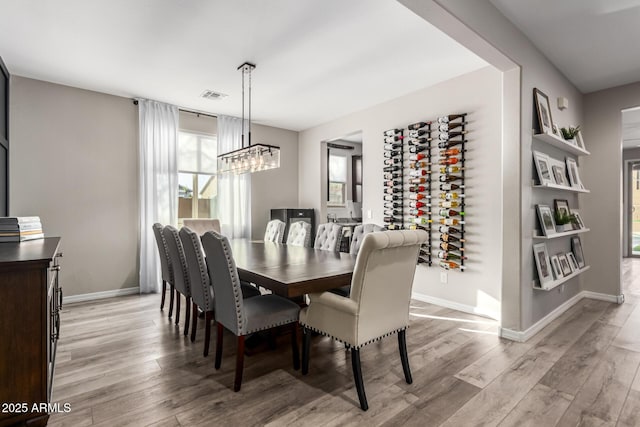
30 302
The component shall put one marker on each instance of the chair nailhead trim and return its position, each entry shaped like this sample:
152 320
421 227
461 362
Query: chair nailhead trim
356 347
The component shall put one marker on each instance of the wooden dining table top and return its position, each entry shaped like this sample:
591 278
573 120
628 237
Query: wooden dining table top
291 271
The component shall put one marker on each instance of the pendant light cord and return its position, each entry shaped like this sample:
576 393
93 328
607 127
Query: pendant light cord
243 123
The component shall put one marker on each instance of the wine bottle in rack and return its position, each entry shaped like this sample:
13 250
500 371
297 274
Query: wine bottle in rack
417 133
450 247
449 204
417 205
391 168
422 260
443 136
416 157
451 169
415 141
450 265
418 180
449 144
391 139
449 255
390 198
418 148
450 187
390 205
391 219
450 221
392 132
418 212
449 118
417 165
449 178
449 213
392 212
448 161
448 230
419 196
446 237
392 146
417 189
389 175
419 172
390 162
392 190
451 196
450 152
392 183
390 154
446 127
416 126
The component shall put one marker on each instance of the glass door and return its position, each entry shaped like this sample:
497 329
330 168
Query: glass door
635 210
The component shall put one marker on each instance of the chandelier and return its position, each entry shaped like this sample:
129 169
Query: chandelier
249 158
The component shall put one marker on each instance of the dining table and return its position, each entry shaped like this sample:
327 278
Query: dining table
291 271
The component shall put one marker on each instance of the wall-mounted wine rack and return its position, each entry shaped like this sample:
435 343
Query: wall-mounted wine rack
410 199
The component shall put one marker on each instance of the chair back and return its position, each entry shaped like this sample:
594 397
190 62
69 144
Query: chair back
201 226
382 281
299 234
177 260
199 282
275 231
358 235
328 237
165 265
229 306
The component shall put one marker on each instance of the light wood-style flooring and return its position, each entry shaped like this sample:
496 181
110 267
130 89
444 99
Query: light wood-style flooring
121 362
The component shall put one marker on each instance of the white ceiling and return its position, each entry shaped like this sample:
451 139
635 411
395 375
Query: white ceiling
316 60
593 42
631 128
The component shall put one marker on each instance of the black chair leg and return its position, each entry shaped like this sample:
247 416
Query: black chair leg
306 345
237 383
207 331
402 345
177 307
357 375
187 315
219 346
170 301
164 291
194 323
294 346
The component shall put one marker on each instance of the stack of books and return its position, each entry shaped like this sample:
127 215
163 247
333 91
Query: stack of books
20 228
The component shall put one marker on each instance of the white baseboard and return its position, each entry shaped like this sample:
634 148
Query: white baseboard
101 295
522 336
455 306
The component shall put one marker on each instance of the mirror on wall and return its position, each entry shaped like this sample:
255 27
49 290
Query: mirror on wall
344 178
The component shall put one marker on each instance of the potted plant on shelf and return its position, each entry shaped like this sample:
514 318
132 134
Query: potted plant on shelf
564 222
569 134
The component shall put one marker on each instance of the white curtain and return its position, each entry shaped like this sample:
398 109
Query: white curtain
234 191
158 125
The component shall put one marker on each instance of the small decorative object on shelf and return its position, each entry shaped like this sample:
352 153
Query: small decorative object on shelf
569 134
20 229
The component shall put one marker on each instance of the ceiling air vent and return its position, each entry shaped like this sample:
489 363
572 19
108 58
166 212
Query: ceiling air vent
210 94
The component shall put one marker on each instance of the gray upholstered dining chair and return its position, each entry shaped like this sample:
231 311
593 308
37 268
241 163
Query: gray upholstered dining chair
299 234
356 241
180 274
328 237
275 231
165 267
202 225
243 316
378 305
200 284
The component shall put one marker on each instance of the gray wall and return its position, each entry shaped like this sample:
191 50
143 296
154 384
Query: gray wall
74 163
602 174
479 94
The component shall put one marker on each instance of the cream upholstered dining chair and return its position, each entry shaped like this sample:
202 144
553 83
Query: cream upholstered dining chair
202 225
378 305
165 267
200 284
243 316
275 231
299 234
356 241
328 237
180 274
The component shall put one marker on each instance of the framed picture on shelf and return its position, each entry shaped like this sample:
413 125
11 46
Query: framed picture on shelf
574 177
543 168
555 264
572 262
543 108
559 172
547 224
564 264
579 140
576 247
542 263
561 207
578 223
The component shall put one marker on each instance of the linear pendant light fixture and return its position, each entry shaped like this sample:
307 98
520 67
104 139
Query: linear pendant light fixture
250 158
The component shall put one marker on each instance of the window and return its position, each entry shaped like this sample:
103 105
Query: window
637 179
337 180
197 181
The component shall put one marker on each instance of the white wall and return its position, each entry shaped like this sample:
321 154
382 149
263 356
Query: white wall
74 163
479 94
602 174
